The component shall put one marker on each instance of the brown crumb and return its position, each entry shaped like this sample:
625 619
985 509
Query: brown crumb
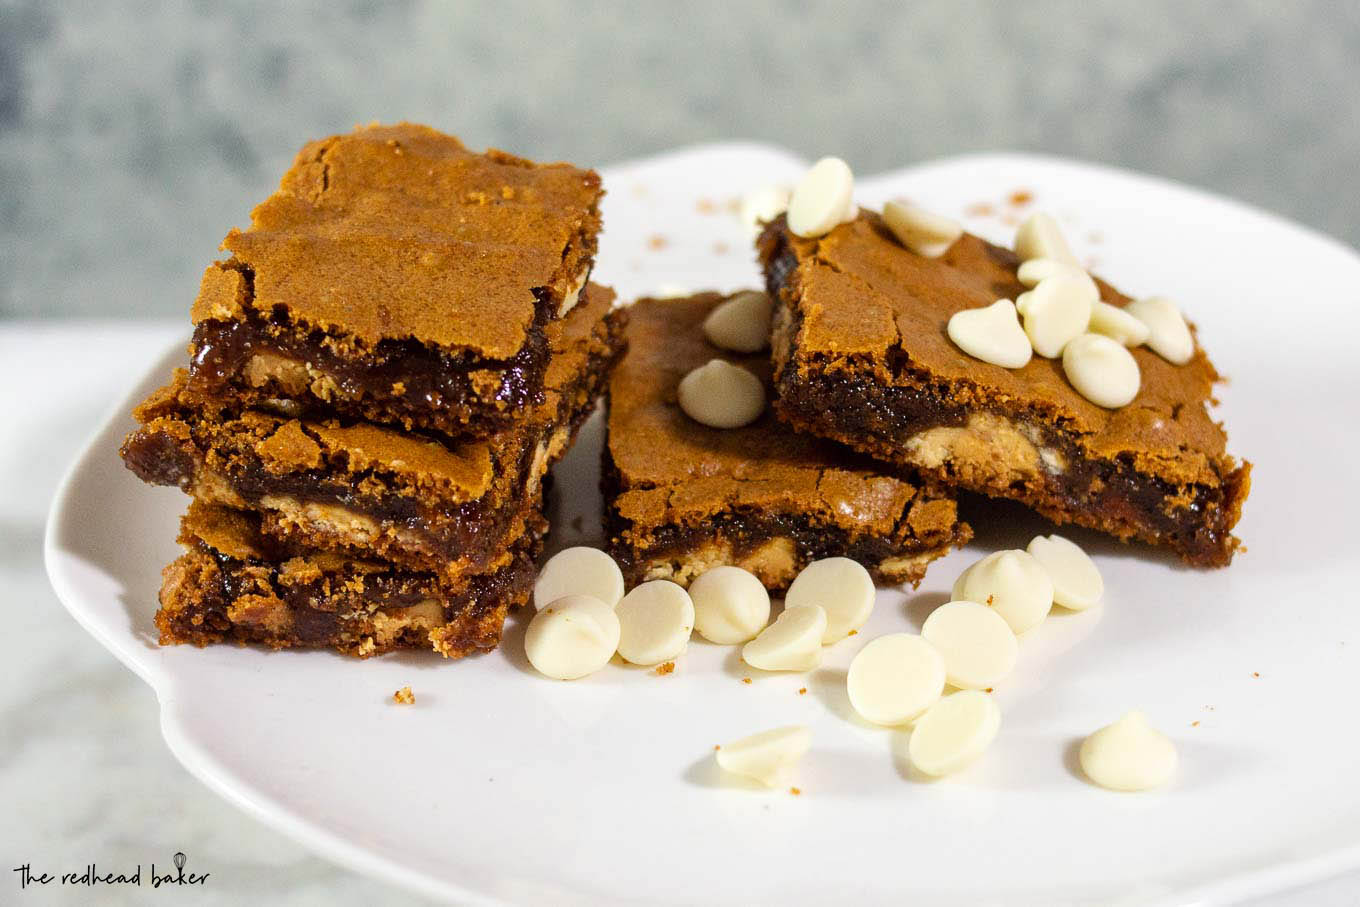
657 242
802 691
853 633
716 747
987 690
980 209
404 696
1194 724
663 670
1021 197
720 248
746 680
1255 673
795 791
706 206
989 601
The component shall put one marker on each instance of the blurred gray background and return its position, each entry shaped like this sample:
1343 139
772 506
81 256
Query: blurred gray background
132 135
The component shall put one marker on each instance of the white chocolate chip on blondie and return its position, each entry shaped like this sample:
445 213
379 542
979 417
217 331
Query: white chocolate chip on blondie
924 232
992 334
1055 311
742 323
721 395
1168 334
1102 370
1040 237
822 198
1117 324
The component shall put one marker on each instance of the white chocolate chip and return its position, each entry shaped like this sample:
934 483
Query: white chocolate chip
1056 311
721 395
792 643
655 620
978 646
730 605
822 198
742 323
1077 584
1168 334
1040 237
1032 272
992 334
1013 584
841 587
1117 324
571 637
1102 370
579 571
953 732
765 757
895 678
1128 755
760 206
924 232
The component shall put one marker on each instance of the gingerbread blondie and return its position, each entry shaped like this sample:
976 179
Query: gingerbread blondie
681 497
862 357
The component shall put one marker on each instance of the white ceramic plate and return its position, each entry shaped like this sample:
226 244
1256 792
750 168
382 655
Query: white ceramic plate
502 786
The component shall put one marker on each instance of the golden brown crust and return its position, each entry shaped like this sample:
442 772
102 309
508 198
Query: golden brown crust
401 232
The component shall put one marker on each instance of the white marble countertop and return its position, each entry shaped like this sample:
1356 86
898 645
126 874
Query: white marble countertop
86 776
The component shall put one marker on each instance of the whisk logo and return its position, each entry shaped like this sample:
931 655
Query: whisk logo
179 876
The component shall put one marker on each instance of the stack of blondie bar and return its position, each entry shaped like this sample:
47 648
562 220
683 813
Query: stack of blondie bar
381 373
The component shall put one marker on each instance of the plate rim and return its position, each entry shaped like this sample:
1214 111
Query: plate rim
201 764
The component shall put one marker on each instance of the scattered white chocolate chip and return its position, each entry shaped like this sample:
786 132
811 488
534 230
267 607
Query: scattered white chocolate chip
655 620
839 586
742 323
1128 755
1040 237
1032 272
572 636
1055 311
721 395
1077 584
1117 324
992 334
1013 584
1101 370
1168 334
583 571
978 646
924 232
822 198
895 678
792 643
730 605
953 732
763 205
767 756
